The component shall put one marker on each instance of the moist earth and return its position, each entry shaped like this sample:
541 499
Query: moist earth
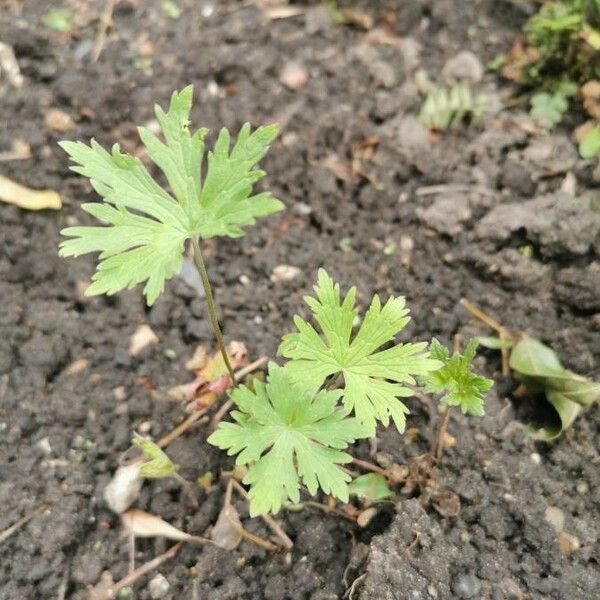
373 197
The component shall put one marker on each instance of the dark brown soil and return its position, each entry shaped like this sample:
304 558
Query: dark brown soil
61 435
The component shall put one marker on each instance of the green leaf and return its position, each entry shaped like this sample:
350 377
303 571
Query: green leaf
147 226
566 410
493 343
548 109
287 435
157 464
373 379
171 9
539 367
59 19
372 486
456 379
589 145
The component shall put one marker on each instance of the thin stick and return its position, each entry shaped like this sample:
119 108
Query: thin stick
327 509
221 413
131 578
187 488
502 332
273 525
105 21
191 420
369 466
21 522
210 305
438 443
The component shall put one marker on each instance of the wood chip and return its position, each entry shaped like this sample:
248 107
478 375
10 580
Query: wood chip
24 197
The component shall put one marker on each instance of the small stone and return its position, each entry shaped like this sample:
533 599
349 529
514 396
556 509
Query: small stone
464 66
536 459
555 517
511 590
466 586
567 543
284 273
432 591
141 338
44 446
582 487
294 76
158 587
58 120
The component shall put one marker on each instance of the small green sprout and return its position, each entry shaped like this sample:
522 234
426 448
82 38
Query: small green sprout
446 108
287 433
373 380
157 465
456 379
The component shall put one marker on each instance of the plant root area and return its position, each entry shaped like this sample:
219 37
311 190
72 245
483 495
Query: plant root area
502 213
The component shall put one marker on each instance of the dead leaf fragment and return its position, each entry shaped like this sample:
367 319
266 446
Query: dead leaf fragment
366 516
447 504
58 120
227 532
26 198
358 18
143 336
143 524
567 543
10 66
77 366
124 488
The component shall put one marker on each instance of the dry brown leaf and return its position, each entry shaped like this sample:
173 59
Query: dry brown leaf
447 504
341 169
142 337
124 488
590 96
26 198
353 16
227 532
143 524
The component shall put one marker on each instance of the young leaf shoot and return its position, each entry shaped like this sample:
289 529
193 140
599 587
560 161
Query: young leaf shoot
456 379
373 380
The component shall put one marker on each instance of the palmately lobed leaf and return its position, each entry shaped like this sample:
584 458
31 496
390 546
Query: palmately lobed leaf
145 226
373 380
456 379
288 435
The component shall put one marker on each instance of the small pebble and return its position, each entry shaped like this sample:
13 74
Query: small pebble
158 587
466 586
284 273
567 543
555 517
536 458
294 76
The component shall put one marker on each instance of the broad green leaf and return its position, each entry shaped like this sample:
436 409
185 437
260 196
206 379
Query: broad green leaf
541 371
288 435
566 410
539 366
373 379
157 464
372 486
456 379
589 145
147 226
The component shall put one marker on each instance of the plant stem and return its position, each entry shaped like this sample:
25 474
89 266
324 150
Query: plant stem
210 305
440 435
